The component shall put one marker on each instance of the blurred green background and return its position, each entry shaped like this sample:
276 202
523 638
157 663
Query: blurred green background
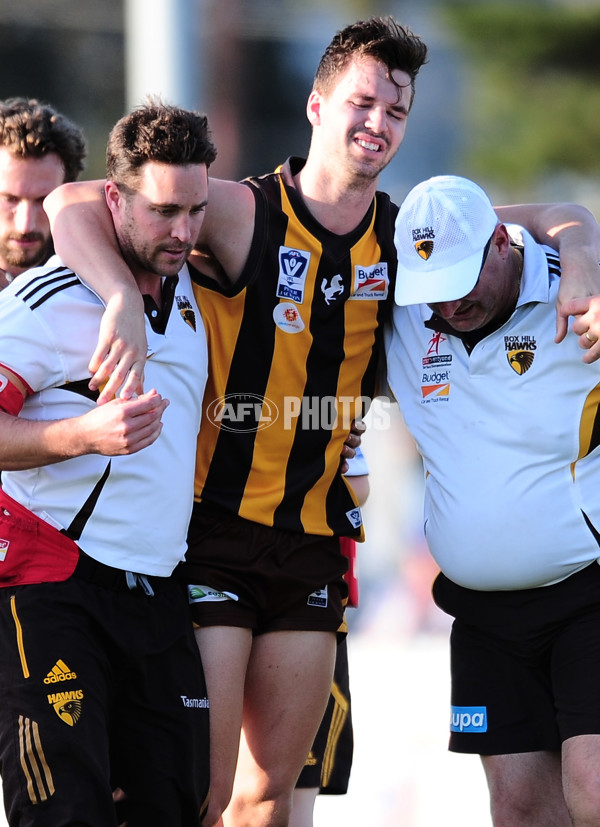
510 96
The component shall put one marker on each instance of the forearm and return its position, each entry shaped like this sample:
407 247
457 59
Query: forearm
121 427
84 238
28 444
562 226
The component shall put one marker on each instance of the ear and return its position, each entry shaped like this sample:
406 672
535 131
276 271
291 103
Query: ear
501 240
112 195
313 108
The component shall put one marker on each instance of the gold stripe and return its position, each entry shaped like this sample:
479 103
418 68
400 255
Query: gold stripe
29 752
338 719
19 630
24 767
222 317
42 757
586 426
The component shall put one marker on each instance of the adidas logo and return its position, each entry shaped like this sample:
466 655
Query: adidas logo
59 672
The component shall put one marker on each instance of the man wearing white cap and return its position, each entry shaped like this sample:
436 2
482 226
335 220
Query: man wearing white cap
508 425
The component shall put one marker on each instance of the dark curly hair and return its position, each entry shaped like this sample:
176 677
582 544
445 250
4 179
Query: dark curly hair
159 132
382 38
30 129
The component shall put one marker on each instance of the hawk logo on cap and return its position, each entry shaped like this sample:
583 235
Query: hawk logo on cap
424 248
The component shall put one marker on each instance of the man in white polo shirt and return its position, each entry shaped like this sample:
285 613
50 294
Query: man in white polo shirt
100 678
508 426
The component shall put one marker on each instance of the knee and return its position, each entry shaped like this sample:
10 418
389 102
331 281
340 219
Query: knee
582 795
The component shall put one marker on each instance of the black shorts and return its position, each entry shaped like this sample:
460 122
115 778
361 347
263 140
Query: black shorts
101 686
245 574
525 664
330 759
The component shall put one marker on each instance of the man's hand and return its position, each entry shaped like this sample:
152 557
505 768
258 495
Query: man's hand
122 426
586 324
117 365
579 296
352 442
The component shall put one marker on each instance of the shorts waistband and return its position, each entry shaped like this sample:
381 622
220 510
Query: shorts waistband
119 580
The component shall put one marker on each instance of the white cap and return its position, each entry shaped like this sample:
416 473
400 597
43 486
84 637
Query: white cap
442 229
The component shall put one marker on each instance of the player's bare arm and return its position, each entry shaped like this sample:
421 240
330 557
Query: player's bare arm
117 428
84 238
574 232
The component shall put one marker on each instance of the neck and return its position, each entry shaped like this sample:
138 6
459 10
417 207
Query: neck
517 265
337 205
149 284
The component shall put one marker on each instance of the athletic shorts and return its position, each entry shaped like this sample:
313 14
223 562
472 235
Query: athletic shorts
101 686
525 664
246 574
330 760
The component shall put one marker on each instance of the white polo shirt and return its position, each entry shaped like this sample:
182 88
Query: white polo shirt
134 509
509 437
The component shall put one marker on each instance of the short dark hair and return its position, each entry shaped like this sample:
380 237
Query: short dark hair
382 38
158 132
30 129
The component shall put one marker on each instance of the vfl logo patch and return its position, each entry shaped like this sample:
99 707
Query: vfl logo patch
468 719
318 598
186 310
520 360
424 249
355 517
371 283
293 267
67 705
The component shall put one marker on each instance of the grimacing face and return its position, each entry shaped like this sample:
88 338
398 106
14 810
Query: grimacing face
24 228
362 119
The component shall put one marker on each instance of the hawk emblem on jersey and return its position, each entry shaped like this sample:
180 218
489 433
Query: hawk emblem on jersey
4 544
424 248
187 311
293 267
520 360
334 288
67 705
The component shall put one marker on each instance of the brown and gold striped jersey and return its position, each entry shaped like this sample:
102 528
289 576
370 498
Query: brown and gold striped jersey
293 353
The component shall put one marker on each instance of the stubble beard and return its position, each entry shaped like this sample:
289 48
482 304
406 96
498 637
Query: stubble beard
11 259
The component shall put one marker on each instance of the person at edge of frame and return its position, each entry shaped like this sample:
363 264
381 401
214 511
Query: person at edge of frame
100 676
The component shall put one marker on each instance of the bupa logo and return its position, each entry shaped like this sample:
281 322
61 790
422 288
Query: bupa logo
293 267
242 412
468 719
371 283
